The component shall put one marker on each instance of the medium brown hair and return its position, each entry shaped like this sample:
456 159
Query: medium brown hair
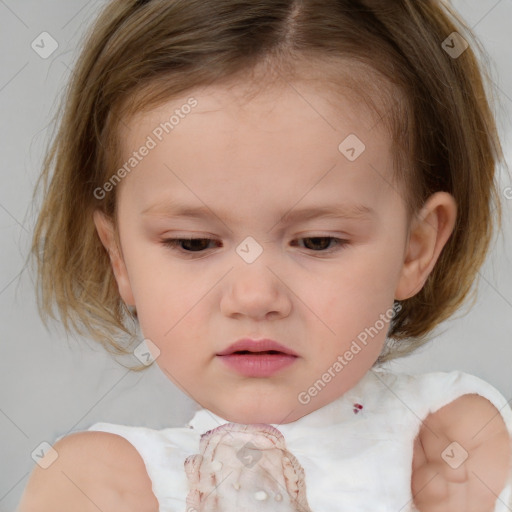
140 54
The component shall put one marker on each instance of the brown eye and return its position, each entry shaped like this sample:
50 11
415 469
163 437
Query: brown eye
188 244
318 243
321 243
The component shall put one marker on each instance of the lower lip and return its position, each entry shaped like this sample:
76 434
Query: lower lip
258 365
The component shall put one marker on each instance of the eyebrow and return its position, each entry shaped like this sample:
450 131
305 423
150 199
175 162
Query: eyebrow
349 211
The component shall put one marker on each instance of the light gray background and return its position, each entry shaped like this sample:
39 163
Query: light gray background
49 387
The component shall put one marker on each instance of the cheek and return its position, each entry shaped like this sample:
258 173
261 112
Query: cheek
354 295
170 304
366 276
153 276
156 291
163 310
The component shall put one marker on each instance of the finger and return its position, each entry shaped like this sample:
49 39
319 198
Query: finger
419 458
429 487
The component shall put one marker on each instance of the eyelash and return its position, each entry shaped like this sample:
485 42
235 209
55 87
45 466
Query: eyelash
173 243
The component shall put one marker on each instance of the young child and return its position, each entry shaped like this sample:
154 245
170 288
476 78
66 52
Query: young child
282 195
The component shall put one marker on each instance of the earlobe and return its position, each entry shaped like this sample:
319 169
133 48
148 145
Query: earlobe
428 234
105 230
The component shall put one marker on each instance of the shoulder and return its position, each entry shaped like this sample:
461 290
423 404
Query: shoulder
93 470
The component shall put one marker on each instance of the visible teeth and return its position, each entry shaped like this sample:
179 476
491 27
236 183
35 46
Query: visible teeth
260 495
216 465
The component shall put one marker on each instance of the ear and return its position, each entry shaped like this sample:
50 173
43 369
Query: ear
105 230
428 234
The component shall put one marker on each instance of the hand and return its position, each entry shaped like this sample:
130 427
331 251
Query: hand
461 458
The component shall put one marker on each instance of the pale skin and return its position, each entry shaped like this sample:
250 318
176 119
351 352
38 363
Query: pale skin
249 163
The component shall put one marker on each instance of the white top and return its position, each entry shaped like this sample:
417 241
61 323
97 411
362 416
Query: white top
356 461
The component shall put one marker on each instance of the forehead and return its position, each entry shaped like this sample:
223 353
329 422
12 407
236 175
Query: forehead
353 98
225 140
330 87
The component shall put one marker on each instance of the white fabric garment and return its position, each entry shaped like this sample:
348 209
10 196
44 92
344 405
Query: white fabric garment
353 461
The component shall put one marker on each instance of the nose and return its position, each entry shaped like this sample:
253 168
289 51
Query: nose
256 290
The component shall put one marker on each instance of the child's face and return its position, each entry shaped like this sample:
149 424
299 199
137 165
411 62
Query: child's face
248 165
